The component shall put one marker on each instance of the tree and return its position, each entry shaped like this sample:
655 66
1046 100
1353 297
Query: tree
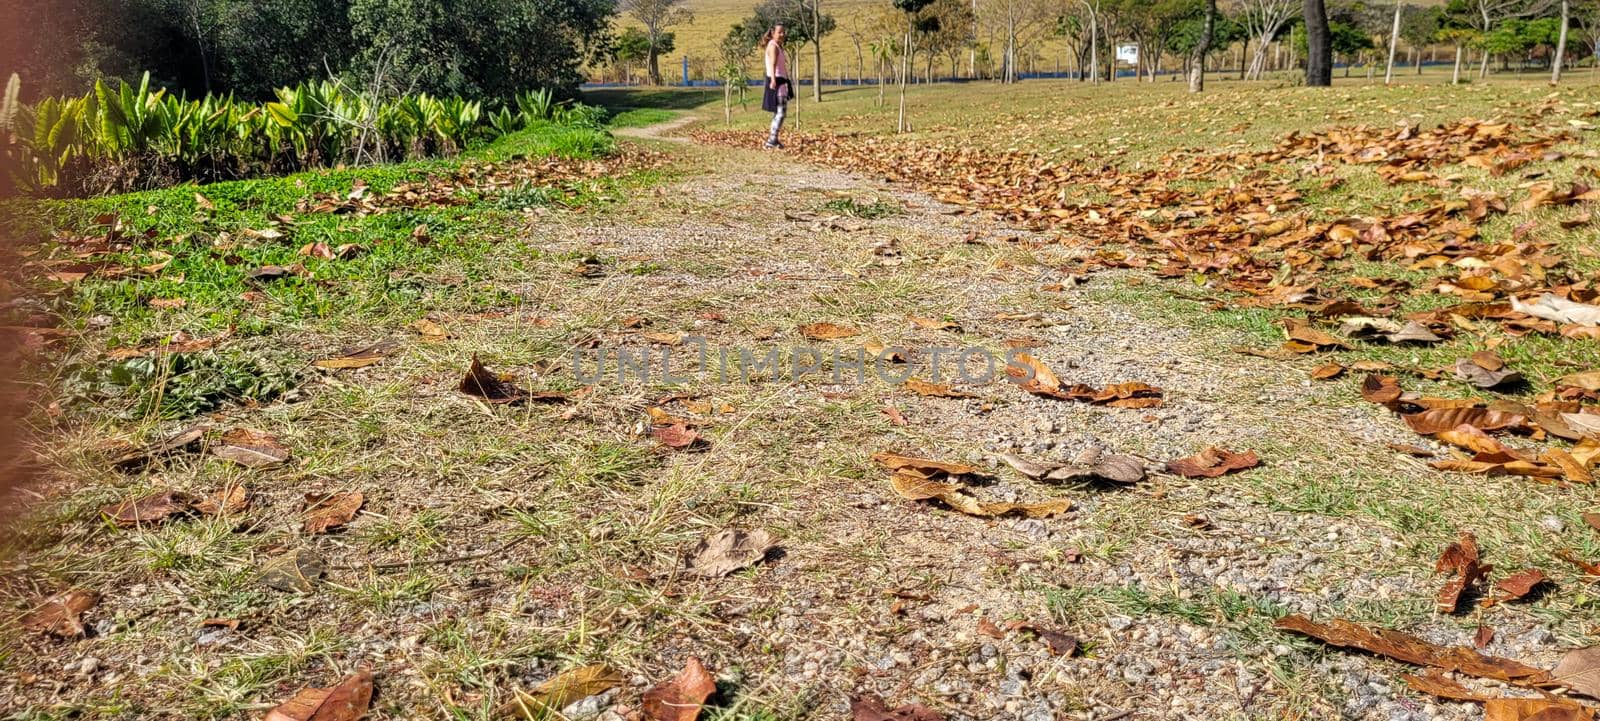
1264 19
656 16
1561 43
734 50
1348 40
477 48
1319 44
632 46
915 22
952 34
1419 28
800 19
1394 43
1197 67
1485 15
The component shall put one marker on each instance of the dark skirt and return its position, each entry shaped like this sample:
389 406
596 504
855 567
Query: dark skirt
770 97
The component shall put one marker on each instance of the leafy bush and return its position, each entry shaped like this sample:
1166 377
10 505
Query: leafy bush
132 137
178 385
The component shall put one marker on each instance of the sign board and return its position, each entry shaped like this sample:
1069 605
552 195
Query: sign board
1128 54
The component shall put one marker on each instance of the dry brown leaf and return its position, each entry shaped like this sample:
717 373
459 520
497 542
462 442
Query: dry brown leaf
1579 670
1460 560
681 698
141 457
1593 520
1303 338
358 357
548 698
827 331
1589 568
231 498
678 436
869 708
728 551
1410 649
1380 389
1043 381
1482 637
924 467
347 701
917 488
988 628
1587 380
62 614
1213 462
1472 439
251 448
1328 371
1534 709
1433 421
1485 378
429 330
150 509
1431 681
935 390
1059 644
489 386
1516 586
325 512
932 324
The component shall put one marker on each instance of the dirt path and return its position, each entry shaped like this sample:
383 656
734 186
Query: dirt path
1171 586
571 524
660 131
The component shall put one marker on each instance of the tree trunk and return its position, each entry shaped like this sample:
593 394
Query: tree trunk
655 67
1094 46
1197 64
1394 44
1244 52
1319 45
1483 67
1561 43
1455 75
816 51
905 62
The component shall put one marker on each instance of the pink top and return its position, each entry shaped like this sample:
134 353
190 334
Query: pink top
778 61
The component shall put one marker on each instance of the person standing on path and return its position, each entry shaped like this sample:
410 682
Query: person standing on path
776 98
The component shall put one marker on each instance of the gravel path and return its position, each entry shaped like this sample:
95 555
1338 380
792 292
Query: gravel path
1170 586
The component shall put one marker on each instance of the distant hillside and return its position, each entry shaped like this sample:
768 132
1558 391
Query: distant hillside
712 18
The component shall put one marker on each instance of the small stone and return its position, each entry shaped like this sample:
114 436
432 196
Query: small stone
1553 524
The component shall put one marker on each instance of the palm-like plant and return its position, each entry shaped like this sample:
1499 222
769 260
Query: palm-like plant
135 130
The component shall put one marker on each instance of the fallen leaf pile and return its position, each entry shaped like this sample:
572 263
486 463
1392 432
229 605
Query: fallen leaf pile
921 479
1470 426
1251 232
457 186
1577 671
1033 376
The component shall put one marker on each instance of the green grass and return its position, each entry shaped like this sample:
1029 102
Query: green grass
640 117
213 237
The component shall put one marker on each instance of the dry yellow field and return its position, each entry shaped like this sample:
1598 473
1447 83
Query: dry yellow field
699 40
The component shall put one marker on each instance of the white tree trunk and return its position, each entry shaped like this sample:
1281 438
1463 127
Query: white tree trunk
1394 43
1561 43
1455 75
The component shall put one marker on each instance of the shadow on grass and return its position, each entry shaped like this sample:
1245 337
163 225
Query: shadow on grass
616 99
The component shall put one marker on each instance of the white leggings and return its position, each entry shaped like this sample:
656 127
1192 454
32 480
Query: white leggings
777 121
